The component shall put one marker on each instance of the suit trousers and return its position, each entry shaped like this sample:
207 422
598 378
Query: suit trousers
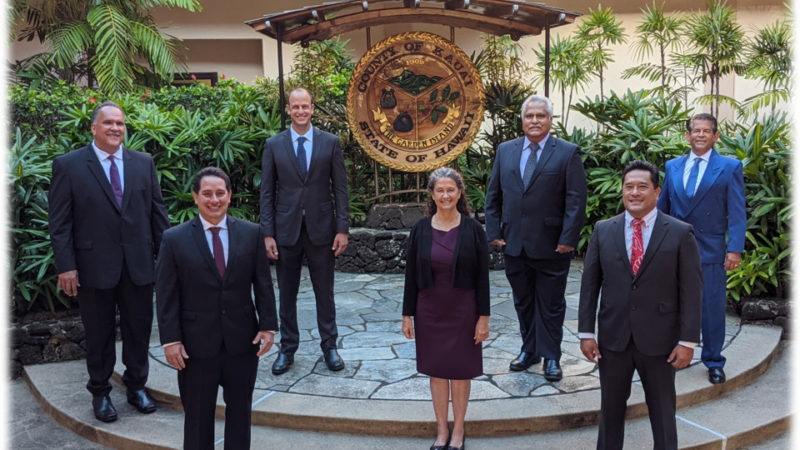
658 381
538 286
198 384
714 285
320 262
98 308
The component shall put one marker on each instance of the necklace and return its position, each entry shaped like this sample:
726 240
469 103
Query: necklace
445 226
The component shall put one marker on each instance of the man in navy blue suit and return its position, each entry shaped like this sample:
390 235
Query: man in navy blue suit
706 190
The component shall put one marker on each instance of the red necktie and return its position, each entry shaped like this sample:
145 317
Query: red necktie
637 249
219 253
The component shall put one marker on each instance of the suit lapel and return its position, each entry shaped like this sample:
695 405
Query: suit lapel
128 170
660 229
516 154
200 238
315 149
677 180
97 170
290 153
547 152
710 175
618 231
233 243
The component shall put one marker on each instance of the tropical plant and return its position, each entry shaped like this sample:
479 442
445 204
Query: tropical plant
717 49
597 31
660 32
323 68
34 277
569 69
109 37
503 107
500 60
769 60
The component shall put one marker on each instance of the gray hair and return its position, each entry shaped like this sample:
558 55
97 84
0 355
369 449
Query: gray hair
548 105
105 104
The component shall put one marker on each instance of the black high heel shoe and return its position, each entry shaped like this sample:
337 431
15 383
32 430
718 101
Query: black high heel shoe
446 445
463 444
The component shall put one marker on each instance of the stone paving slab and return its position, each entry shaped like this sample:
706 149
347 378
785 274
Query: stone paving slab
369 321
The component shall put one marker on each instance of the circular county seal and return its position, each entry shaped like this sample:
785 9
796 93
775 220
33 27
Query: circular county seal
415 102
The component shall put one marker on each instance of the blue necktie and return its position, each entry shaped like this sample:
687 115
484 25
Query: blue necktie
690 185
530 165
301 156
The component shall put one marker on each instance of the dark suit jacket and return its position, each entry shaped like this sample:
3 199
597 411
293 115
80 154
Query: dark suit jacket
717 208
201 310
91 233
551 211
660 305
285 195
470 268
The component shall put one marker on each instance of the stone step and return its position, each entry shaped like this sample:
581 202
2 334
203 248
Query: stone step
734 419
748 356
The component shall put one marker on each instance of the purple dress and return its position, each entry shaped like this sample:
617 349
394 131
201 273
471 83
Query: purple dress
445 319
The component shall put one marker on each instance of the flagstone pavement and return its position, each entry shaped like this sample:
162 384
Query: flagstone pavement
380 361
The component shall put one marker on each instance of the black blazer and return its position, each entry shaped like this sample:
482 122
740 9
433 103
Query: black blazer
285 195
90 233
470 268
660 305
551 211
201 310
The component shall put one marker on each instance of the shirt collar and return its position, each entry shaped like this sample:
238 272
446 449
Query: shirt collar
296 135
541 143
705 157
102 156
207 224
649 219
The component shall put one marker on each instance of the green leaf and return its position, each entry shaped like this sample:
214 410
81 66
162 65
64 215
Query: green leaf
446 93
441 109
434 95
435 117
454 96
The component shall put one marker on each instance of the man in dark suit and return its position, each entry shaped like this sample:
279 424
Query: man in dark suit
706 190
648 267
106 222
535 208
303 168
206 271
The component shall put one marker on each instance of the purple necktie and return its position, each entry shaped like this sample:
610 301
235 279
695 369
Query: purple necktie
219 253
116 185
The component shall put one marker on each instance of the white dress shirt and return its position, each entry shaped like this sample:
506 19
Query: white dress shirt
523 159
690 162
307 145
223 235
647 231
105 163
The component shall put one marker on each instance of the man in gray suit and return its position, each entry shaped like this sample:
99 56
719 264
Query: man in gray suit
647 265
535 208
303 168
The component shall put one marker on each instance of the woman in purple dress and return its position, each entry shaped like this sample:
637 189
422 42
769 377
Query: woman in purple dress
447 293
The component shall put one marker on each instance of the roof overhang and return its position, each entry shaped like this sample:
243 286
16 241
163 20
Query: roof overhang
497 17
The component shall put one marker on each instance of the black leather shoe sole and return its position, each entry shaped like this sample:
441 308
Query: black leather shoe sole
553 377
107 419
716 376
334 368
516 367
282 368
149 409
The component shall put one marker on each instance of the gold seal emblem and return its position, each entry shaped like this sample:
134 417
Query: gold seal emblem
415 102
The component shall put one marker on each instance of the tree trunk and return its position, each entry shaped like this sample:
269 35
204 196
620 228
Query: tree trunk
712 90
570 103
563 101
602 95
663 72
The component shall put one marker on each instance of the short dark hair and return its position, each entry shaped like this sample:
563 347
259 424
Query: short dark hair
210 172
702 116
105 104
642 165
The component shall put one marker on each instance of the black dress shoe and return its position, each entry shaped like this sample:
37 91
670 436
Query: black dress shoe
552 370
716 375
446 445
523 361
282 363
142 401
333 360
104 410
463 444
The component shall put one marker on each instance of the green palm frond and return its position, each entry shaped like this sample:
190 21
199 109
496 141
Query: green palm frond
112 61
67 43
161 50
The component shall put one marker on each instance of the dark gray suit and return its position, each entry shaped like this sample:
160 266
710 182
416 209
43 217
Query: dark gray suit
304 215
215 320
533 222
113 249
641 319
